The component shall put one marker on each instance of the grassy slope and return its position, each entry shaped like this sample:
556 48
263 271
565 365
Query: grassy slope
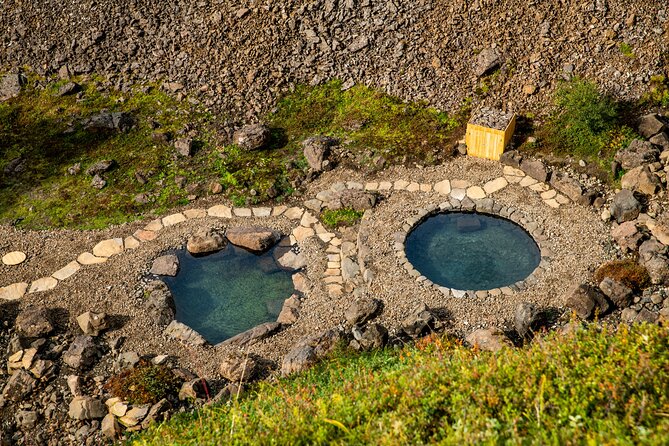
593 387
33 126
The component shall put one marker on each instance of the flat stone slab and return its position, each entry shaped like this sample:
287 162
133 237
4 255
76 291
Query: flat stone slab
14 258
108 248
279 210
220 211
195 213
476 193
460 184
130 242
86 258
458 194
14 291
242 212
155 225
145 236
262 212
442 187
174 219
528 181
67 271
43 284
294 213
495 185
253 335
301 233
308 220
184 333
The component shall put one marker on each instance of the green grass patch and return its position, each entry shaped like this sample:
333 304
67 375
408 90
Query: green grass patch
596 386
333 218
46 132
658 92
626 50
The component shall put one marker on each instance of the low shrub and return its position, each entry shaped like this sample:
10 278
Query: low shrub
627 272
146 383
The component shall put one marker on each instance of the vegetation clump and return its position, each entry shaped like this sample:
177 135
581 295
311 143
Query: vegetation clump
333 218
628 272
146 383
591 386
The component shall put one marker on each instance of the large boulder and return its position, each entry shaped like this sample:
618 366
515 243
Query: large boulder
82 353
642 180
237 367
205 241
309 350
620 295
568 186
252 137
420 321
534 168
317 151
11 85
167 265
651 124
34 322
160 303
488 60
636 154
585 301
361 311
253 238
625 207
373 336
525 318
489 339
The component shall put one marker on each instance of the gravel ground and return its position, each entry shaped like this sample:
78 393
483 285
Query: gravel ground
577 237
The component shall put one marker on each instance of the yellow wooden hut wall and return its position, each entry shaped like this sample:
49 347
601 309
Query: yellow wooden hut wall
484 142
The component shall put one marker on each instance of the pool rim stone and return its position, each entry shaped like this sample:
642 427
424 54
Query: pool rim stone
486 206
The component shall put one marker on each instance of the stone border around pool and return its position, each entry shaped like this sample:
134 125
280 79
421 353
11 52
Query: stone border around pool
486 206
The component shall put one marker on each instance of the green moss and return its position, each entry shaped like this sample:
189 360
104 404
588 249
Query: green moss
144 384
596 386
341 217
626 50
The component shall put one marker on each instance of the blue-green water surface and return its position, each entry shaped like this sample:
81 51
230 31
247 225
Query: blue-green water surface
469 251
228 292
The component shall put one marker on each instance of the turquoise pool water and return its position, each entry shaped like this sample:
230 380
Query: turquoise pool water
228 292
469 251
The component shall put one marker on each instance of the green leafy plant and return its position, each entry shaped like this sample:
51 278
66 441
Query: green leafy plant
658 92
626 50
340 217
145 383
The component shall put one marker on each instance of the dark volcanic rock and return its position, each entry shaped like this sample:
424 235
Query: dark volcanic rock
308 351
625 206
34 322
535 169
361 311
11 85
586 300
317 150
650 125
82 353
637 153
252 137
620 295
526 316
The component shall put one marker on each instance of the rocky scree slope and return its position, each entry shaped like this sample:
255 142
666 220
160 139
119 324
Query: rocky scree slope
237 57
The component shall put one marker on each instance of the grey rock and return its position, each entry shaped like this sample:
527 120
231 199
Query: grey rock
19 386
356 199
653 257
290 311
167 265
205 241
252 137
625 207
98 182
647 316
238 367
11 85
636 154
651 124
34 322
309 351
292 260
641 179
358 44
106 121
361 311
68 89
487 61
419 322
628 315
525 318
134 416
253 238
27 419
184 333
126 361
253 335
660 140
349 268
317 151
535 169
585 301
93 323
86 408
493 118
81 353
184 146
620 295
568 186
511 158
160 303
156 413
110 427
489 339
374 336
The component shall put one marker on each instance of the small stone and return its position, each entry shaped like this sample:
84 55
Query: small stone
130 242
86 408
252 137
362 311
92 323
173 219
43 284
34 322
108 248
220 211
81 353
301 233
67 271
134 416
489 339
495 185
238 367
167 265
110 427
184 146
290 311
194 213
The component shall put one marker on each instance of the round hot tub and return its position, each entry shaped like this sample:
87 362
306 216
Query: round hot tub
471 251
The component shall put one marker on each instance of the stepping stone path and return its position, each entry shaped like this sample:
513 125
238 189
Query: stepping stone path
342 264
14 258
